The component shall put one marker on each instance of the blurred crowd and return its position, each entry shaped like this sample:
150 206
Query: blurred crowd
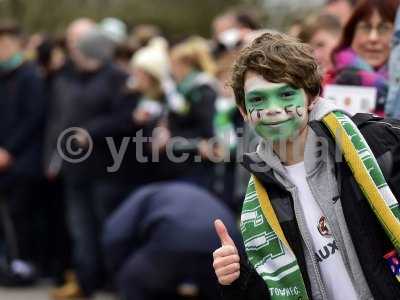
127 217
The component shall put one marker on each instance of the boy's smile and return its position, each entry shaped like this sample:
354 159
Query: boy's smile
277 110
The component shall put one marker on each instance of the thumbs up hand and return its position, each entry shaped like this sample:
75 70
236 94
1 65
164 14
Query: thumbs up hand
226 258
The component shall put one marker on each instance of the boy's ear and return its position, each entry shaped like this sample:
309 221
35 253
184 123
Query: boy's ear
243 113
312 101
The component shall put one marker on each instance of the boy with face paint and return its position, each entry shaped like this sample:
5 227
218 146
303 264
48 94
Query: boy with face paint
307 228
277 110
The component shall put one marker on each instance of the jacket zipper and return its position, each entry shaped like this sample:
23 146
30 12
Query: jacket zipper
299 217
340 244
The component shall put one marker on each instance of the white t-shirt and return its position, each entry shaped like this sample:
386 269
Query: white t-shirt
334 274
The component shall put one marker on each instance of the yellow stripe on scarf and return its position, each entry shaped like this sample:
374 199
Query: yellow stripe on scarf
268 211
371 192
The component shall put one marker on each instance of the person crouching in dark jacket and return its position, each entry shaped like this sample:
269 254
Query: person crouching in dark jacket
162 238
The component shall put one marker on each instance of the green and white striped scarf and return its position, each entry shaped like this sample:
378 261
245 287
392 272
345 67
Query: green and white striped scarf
265 243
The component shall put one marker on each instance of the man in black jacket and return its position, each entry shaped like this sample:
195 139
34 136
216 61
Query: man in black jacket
329 243
82 96
21 132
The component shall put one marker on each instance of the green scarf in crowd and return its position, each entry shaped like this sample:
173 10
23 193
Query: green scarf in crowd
15 61
265 243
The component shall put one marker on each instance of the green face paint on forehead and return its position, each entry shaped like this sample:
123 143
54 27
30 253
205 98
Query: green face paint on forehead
277 110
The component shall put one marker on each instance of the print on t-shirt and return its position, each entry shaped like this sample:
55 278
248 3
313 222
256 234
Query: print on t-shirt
330 248
323 227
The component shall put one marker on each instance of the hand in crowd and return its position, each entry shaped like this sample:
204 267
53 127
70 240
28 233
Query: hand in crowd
6 160
51 175
160 138
140 116
82 139
211 151
226 258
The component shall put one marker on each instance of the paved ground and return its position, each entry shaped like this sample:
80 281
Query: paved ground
38 293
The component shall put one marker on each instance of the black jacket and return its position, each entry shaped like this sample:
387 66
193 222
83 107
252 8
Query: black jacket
370 241
119 125
22 112
82 99
197 124
198 121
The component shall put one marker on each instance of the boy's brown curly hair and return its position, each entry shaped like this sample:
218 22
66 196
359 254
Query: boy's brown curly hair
278 58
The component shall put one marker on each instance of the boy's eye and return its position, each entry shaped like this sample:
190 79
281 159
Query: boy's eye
257 100
287 94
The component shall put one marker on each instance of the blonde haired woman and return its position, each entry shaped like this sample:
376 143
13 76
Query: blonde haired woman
193 70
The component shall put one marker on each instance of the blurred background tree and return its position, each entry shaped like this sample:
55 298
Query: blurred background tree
175 17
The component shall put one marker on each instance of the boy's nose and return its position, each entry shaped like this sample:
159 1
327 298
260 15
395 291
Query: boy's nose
273 111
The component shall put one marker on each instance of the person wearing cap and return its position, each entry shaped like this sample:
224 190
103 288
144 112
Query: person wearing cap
150 66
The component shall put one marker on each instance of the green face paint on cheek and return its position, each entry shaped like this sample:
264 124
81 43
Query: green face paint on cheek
277 112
